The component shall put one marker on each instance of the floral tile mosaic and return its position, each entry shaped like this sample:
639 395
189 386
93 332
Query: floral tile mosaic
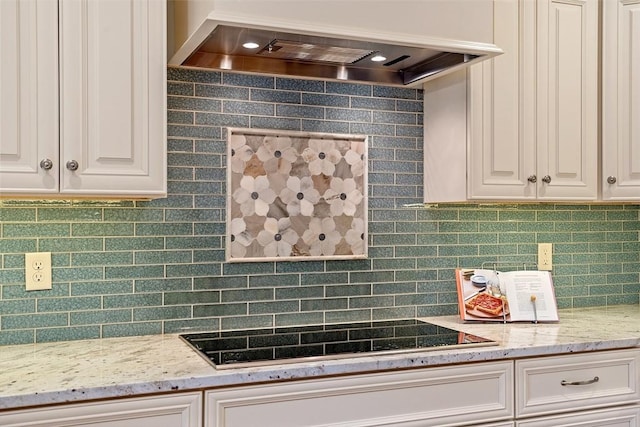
295 195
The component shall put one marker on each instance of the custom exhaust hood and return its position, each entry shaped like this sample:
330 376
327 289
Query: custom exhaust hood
315 49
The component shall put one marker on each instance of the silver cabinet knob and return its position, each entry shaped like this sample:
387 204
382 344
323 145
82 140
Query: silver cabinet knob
72 165
546 179
46 164
533 179
611 180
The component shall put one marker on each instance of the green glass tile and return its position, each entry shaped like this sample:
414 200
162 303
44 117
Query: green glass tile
417 299
131 329
123 272
69 304
133 243
274 307
231 282
17 306
101 258
27 321
161 313
192 270
71 245
247 322
25 336
274 280
341 316
67 334
133 300
162 285
102 229
99 317
162 257
36 230
18 291
17 215
102 287
77 274
209 310
295 319
394 288
298 293
235 295
199 297
324 304
347 290
394 313
300 267
324 278
371 302
17 245
437 310
248 268
190 325
351 265
75 214
162 229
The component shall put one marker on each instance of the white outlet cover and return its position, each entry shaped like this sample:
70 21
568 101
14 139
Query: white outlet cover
37 271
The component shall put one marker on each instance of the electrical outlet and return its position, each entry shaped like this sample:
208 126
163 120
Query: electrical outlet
37 271
545 256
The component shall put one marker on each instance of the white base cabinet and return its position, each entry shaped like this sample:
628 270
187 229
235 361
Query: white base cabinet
175 410
577 382
474 394
616 417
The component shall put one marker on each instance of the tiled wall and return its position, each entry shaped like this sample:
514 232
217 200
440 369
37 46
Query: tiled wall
127 268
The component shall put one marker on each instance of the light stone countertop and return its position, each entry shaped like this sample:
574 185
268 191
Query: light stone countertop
48 373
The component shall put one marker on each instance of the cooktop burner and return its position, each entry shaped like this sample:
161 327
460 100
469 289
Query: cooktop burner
261 347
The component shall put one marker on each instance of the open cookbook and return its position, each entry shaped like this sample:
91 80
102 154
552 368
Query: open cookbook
512 296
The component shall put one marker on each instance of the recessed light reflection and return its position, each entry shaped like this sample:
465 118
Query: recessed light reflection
378 58
251 45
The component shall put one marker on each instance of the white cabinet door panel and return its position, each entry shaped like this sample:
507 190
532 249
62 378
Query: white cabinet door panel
567 99
621 100
28 96
501 113
179 410
112 101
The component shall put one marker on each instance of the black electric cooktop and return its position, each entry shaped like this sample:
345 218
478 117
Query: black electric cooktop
271 346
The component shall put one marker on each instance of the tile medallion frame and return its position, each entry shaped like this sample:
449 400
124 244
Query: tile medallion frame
295 196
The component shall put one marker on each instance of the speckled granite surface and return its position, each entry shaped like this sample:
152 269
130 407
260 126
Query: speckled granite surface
41 374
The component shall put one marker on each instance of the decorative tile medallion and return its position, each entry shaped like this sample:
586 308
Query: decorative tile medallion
296 196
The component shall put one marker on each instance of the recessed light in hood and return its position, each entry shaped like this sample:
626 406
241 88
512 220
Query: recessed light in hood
321 51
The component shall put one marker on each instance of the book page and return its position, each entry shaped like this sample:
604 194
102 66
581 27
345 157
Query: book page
520 286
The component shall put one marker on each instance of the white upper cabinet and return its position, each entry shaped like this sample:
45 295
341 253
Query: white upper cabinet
109 138
28 96
621 100
567 99
113 97
531 114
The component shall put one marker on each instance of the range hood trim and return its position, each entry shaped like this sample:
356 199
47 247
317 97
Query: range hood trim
473 51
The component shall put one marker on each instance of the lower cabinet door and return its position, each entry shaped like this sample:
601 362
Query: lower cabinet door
176 410
616 417
475 394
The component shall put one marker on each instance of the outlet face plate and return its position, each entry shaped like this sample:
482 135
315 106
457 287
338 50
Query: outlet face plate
37 271
545 256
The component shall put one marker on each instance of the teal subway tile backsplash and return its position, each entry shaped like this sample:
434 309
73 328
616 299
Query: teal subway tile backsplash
125 268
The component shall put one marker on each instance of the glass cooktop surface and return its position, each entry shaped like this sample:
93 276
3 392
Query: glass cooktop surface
271 346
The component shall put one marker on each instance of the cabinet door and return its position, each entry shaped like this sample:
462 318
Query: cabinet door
621 100
113 103
28 96
567 87
179 410
471 394
501 110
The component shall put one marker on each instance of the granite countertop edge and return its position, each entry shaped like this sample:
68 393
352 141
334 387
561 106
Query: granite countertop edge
74 371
